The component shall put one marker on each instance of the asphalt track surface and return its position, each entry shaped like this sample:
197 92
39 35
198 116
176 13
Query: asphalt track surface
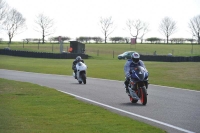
172 109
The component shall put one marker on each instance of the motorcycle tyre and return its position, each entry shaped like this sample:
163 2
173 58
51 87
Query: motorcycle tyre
83 78
143 95
133 100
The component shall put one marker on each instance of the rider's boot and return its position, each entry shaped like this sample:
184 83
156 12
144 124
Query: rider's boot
126 87
147 85
75 75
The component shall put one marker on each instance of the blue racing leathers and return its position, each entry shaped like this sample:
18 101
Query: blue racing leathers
129 66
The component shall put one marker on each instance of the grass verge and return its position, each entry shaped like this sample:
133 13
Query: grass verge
175 74
113 48
26 107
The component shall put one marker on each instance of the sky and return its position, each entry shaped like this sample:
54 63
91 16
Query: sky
75 18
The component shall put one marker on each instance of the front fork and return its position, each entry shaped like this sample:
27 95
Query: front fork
135 89
133 93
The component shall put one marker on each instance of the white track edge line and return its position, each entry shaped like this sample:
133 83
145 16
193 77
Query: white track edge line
120 110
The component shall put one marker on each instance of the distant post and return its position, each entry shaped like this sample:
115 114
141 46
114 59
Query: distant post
61 44
52 47
23 43
133 42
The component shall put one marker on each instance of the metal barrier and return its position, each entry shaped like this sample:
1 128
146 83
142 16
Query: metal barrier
162 58
42 54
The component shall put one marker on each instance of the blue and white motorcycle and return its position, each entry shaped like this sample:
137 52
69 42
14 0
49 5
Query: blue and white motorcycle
138 85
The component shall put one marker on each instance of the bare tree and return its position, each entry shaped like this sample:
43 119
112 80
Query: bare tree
3 10
14 23
3 6
194 26
107 27
44 26
127 39
167 27
145 29
135 27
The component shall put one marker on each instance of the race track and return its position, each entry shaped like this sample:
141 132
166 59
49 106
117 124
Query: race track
172 109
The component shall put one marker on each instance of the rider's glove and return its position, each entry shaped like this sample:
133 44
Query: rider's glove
74 68
128 75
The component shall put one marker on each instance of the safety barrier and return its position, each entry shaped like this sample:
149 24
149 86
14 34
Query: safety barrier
41 54
163 58
166 58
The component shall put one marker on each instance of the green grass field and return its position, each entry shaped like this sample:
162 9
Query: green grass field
175 74
29 108
107 50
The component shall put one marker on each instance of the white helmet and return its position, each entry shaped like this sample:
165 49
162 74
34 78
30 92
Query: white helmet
135 57
78 58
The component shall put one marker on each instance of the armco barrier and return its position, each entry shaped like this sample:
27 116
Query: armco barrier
165 58
162 58
42 54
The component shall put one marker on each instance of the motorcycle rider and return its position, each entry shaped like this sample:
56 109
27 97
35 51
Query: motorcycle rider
78 59
129 67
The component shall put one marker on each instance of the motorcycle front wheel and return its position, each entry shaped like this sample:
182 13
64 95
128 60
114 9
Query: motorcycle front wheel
133 100
83 77
143 95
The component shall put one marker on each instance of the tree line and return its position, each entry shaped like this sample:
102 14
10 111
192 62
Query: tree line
127 40
12 22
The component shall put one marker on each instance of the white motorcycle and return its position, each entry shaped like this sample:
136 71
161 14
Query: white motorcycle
81 72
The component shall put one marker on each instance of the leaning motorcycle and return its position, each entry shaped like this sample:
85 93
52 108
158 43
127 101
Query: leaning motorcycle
138 85
81 72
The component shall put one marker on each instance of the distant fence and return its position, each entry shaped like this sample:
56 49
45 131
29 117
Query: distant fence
42 54
163 58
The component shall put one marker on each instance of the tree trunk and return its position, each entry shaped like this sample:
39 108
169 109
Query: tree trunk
167 39
135 39
105 37
141 41
43 36
10 38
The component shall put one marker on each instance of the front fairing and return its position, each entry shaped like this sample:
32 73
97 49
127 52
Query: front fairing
81 66
138 74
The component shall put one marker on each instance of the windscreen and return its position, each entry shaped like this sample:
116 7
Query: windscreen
80 64
138 73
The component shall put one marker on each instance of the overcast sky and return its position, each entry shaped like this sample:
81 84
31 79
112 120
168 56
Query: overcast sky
75 18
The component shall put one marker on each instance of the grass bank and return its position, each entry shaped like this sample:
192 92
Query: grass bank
26 108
